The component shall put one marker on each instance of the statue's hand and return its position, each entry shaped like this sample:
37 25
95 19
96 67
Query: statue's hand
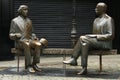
36 38
12 36
18 35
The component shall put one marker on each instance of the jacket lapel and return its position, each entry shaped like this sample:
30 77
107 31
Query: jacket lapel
21 23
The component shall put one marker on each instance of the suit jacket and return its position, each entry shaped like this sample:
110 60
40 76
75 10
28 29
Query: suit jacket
18 25
104 29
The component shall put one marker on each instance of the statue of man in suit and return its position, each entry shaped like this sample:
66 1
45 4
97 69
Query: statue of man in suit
21 31
103 34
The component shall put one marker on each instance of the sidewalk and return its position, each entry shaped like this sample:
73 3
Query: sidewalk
53 69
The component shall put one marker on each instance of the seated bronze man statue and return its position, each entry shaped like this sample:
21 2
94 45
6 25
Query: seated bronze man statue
21 31
103 34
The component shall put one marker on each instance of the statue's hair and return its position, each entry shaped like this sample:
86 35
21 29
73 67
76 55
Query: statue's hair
21 7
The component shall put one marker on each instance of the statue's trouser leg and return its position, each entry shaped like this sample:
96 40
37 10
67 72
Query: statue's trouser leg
36 45
81 47
86 45
27 55
36 55
84 55
77 50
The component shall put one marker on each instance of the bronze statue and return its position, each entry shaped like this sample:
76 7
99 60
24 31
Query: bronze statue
21 31
103 34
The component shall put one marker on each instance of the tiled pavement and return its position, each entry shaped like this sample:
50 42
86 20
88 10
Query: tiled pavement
53 69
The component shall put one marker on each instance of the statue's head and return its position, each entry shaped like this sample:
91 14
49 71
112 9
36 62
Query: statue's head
44 42
23 10
101 8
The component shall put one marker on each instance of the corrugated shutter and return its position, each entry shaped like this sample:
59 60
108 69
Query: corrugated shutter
50 22
85 14
52 19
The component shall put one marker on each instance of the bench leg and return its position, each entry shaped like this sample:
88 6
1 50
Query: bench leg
100 58
18 62
64 65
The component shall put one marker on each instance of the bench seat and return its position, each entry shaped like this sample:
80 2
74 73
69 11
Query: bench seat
66 51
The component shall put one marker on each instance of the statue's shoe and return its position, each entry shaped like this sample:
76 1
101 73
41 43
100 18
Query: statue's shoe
30 70
36 68
71 61
83 71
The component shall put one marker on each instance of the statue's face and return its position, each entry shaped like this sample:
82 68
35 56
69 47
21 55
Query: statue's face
100 9
24 11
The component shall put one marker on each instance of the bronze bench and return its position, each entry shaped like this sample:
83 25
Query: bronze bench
65 52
